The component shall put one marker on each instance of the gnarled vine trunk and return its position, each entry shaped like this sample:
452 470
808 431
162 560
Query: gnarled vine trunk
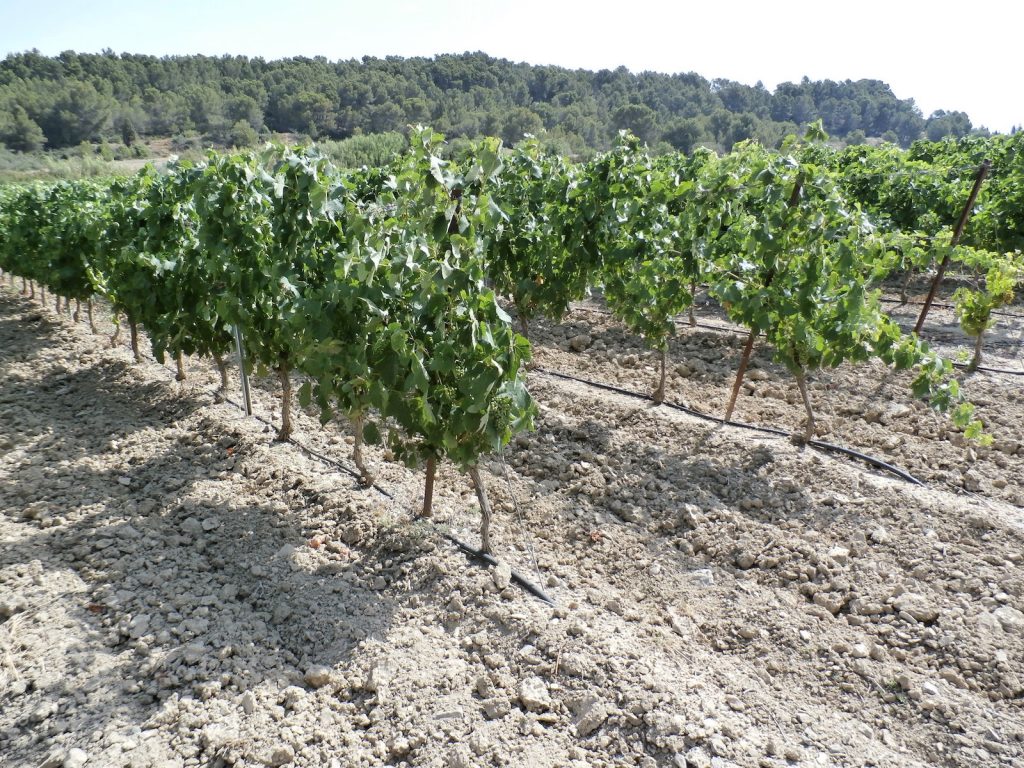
117 330
133 328
801 383
428 488
744 359
485 509
357 450
222 368
659 393
976 360
285 434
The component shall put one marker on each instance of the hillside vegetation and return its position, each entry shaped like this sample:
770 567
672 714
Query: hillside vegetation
60 102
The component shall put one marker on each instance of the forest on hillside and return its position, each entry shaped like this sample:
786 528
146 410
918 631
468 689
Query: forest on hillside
62 101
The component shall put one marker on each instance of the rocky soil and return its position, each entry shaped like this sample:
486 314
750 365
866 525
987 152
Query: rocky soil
177 590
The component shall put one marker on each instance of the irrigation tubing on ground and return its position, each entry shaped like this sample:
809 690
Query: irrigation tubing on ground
473 554
476 554
942 305
820 445
310 452
720 328
739 332
986 369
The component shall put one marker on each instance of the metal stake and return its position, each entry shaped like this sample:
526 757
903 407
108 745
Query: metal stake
245 376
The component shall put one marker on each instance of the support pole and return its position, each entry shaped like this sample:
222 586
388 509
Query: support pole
246 397
983 170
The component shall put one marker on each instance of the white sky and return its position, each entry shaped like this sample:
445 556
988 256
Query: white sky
953 56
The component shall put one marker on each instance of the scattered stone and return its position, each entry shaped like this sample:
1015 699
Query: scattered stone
744 560
76 758
379 677
735 703
497 707
502 575
590 714
534 695
1010 619
191 526
318 676
697 757
840 554
211 524
952 677
280 614
247 701
703 577
580 342
11 606
879 536
281 756
215 736
916 605
972 480
139 626
43 712
460 758
196 626
832 602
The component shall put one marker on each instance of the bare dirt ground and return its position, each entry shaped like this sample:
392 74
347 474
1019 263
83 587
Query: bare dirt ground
177 590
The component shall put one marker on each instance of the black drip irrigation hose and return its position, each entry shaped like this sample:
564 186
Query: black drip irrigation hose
986 369
943 305
687 323
476 554
740 332
310 452
820 445
472 554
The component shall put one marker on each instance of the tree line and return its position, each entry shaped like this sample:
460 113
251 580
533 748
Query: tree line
62 101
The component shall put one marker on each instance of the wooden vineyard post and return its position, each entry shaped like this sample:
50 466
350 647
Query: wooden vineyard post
983 170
